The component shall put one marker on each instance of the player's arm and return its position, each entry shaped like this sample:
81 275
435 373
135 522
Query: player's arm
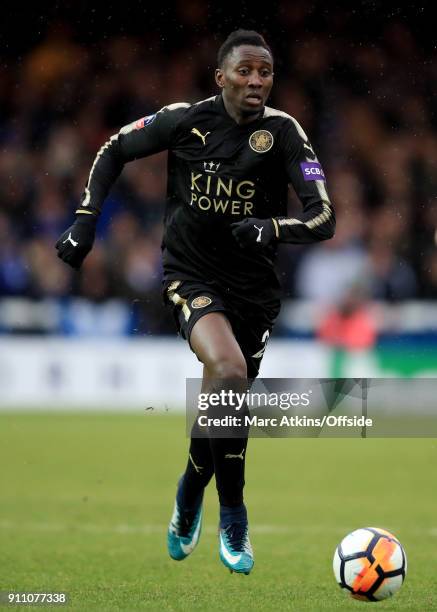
139 139
305 174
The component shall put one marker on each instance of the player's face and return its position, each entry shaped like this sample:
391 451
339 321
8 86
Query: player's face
246 78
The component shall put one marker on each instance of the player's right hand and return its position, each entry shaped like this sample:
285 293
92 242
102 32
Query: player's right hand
77 241
253 233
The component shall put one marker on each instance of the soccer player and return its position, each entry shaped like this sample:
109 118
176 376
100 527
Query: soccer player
230 161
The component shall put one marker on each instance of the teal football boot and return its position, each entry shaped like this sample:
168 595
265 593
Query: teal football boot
183 532
235 549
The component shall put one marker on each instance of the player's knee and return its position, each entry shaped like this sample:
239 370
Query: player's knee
228 367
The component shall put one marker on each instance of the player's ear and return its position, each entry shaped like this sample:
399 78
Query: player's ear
219 77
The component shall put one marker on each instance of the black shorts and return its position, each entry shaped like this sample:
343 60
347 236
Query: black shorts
251 321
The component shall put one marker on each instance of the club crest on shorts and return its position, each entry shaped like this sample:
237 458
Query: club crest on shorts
201 301
261 141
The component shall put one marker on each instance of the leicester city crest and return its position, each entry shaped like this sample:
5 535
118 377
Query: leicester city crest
201 301
261 141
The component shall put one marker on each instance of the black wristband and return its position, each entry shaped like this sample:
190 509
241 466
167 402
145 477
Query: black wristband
86 218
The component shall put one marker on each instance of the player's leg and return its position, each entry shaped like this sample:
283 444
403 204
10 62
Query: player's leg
189 302
214 343
251 332
199 469
215 346
185 525
192 304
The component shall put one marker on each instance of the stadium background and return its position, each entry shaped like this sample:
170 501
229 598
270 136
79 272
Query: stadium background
86 496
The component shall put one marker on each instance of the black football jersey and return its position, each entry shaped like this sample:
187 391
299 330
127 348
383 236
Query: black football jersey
220 172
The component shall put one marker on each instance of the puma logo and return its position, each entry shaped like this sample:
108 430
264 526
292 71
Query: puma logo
260 229
196 132
70 239
198 468
230 456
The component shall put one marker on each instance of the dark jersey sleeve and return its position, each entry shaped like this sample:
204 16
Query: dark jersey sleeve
305 174
139 139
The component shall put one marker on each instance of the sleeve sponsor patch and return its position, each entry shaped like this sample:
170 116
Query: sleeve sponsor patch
144 121
312 171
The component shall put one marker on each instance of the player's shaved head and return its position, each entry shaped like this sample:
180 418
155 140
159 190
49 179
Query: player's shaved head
239 38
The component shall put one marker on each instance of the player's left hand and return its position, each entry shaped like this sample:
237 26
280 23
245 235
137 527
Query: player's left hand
253 233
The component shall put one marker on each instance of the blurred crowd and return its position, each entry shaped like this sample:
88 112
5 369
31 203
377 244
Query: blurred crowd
368 107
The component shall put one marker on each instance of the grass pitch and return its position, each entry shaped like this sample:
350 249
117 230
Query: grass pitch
85 502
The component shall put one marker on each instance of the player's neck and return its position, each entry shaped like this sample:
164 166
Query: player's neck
238 116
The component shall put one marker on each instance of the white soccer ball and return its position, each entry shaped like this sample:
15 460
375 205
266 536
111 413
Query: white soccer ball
370 563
